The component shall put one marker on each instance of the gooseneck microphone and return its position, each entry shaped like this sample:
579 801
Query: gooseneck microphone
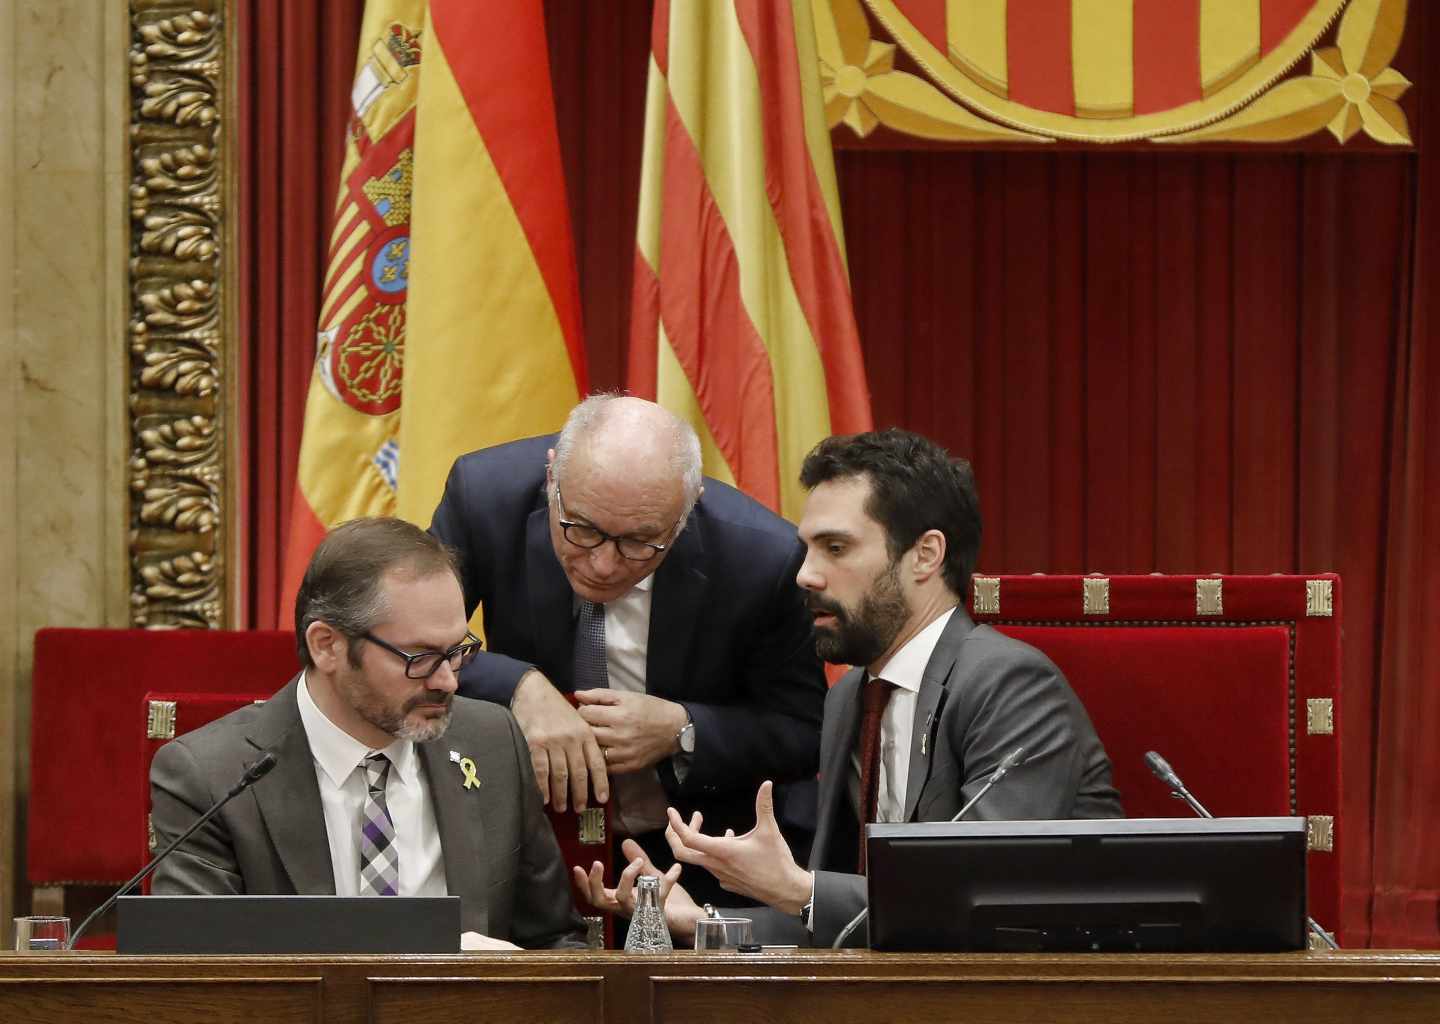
1007 762
253 774
1168 775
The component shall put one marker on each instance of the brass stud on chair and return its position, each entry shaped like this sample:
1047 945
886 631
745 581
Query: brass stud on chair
1096 595
1319 716
1320 832
592 826
1209 596
987 594
160 720
1319 597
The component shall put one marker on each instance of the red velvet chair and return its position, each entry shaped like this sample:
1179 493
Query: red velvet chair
87 786
89 793
1233 679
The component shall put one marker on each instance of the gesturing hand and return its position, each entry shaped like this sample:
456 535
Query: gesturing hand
563 751
758 864
681 912
635 730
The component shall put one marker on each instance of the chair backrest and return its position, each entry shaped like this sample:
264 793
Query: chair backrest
1233 679
88 789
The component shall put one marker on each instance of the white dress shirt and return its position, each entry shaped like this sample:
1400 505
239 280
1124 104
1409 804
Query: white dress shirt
638 798
897 727
343 789
905 670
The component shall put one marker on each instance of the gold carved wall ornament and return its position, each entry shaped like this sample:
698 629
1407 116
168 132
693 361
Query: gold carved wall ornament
1117 74
177 351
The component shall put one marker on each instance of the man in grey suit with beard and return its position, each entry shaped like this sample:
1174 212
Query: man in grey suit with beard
892 530
386 783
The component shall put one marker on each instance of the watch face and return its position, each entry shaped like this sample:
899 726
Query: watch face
687 738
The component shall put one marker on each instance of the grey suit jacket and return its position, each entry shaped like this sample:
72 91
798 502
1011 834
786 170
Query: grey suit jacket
982 695
500 853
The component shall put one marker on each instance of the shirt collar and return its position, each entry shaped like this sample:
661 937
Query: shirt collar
906 668
338 753
644 586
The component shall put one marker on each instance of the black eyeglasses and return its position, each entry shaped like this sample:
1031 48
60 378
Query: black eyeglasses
425 664
584 535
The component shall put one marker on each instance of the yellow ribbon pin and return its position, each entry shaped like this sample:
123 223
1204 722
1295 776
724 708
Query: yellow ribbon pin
468 767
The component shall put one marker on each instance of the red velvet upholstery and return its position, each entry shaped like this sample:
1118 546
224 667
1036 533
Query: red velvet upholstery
1223 697
1177 690
88 791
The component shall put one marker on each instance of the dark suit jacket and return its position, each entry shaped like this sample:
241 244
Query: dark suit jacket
982 695
729 634
500 854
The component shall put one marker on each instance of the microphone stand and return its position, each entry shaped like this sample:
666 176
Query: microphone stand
262 765
1009 761
1167 775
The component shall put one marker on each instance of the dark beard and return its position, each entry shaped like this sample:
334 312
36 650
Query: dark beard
860 638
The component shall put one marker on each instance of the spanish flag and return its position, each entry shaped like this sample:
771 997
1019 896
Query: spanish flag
741 316
450 314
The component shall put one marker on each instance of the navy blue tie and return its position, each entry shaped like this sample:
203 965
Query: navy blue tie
590 670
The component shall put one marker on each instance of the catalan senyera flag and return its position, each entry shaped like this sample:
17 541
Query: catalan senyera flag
450 314
741 314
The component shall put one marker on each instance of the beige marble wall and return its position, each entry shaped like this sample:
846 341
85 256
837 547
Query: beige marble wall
63 426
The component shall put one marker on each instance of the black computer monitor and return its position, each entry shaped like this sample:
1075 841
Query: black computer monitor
1140 884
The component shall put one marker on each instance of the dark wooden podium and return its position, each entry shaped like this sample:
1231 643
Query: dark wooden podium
804 987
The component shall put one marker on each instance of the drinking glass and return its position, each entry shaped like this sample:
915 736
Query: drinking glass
713 933
41 934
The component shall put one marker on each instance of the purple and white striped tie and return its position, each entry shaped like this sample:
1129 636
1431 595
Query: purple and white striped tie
379 859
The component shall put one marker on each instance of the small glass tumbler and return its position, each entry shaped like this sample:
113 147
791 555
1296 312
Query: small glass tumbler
715 933
648 932
41 934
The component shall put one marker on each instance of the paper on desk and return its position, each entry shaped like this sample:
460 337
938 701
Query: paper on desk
471 942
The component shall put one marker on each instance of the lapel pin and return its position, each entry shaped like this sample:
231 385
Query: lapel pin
454 757
467 768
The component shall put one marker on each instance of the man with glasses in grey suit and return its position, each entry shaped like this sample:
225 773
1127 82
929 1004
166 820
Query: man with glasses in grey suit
387 783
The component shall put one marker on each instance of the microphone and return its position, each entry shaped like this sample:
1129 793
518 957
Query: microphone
253 774
1168 775
1007 762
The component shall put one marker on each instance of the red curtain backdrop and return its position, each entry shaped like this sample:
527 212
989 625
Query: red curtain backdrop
1176 361
294 63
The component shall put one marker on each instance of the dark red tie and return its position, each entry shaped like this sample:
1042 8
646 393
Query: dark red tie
873 697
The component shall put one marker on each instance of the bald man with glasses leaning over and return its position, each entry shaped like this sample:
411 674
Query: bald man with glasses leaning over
664 603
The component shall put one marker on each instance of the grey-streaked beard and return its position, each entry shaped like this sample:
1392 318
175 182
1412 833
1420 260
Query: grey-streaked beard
430 729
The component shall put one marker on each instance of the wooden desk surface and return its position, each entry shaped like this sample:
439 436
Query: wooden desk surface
807 987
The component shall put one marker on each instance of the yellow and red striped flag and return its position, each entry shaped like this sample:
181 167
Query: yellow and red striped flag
741 316
451 260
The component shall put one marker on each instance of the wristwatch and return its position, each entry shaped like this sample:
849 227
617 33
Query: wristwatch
686 737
